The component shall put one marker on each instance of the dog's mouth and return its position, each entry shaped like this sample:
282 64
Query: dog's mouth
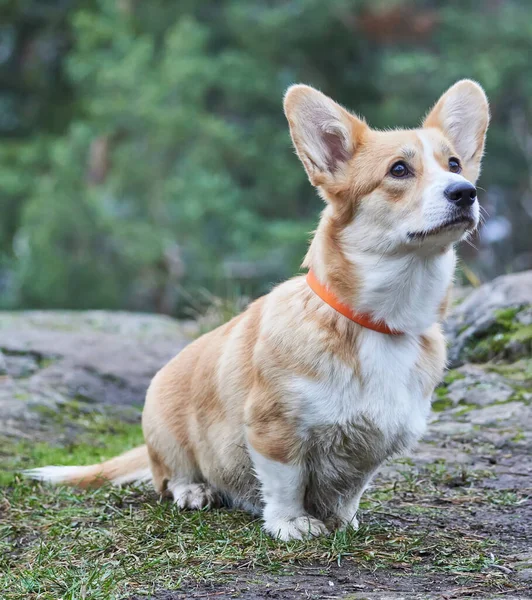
464 222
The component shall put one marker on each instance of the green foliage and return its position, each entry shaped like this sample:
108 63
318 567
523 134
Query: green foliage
160 159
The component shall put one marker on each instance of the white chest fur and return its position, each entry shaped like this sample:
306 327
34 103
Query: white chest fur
388 390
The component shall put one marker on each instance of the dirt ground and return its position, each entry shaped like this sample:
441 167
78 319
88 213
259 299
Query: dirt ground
478 495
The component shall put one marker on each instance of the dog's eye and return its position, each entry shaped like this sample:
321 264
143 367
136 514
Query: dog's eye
454 165
399 169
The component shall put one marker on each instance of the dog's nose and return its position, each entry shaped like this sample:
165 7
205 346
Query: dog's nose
462 193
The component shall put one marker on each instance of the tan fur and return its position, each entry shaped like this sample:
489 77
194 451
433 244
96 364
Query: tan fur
446 304
212 406
432 358
120 466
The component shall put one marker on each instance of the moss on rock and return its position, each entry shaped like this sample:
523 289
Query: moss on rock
441 400
507 338
453 375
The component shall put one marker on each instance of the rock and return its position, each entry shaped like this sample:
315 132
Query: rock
95 357
524 557
502 308
450 428
476 386
19 366
497 413
3 365
525 575
502 292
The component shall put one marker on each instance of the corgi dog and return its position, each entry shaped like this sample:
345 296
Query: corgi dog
289 409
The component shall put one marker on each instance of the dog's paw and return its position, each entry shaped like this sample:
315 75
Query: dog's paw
298 528
194 496
342 522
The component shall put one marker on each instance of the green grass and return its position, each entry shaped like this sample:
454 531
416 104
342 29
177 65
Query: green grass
441 401
63 543
452 375
24 454
98 436
115 542
111 542
209 311
520 371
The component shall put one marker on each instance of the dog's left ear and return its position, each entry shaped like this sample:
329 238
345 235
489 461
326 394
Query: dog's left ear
463 115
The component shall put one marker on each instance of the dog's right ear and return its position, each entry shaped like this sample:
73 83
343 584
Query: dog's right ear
325 135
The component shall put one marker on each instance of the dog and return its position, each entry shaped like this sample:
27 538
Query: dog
289 409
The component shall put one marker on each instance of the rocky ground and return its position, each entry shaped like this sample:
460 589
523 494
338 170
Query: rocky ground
452 521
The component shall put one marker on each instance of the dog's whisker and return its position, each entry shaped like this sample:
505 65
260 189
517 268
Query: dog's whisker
482 209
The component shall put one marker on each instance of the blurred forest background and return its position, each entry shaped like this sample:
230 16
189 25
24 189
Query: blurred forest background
144 154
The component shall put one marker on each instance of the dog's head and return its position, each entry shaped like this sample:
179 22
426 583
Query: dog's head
394 191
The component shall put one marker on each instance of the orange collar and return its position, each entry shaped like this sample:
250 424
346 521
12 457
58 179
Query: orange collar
363 319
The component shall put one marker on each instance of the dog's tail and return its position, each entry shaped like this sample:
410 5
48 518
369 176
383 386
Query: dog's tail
131 467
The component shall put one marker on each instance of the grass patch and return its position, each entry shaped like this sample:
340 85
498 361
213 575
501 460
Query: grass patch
520 370
107 543
102 438
83 416
209 311
506 317
115 542
442 402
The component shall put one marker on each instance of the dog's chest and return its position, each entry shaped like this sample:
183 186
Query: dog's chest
340 459
352 421
383 403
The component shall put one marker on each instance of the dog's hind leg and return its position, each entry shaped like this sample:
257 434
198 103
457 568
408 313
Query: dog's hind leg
160 472
181 480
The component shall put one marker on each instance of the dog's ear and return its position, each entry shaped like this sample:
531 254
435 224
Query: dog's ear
325 135
463 115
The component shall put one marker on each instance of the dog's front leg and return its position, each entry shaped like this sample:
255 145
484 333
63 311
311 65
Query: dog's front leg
274 448
283 491
345 513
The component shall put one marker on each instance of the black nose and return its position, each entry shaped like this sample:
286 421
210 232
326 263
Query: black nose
462 194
